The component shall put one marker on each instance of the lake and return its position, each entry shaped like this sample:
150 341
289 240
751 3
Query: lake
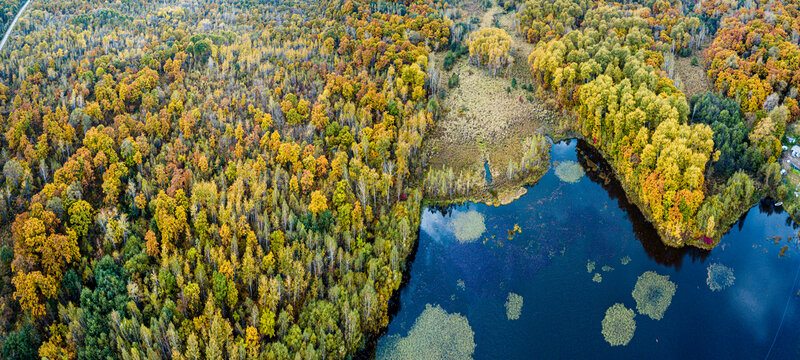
564 228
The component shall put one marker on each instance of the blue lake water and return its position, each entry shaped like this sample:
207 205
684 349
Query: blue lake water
564 226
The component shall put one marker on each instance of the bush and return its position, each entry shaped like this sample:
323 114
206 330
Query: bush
449 60
453 82
694 61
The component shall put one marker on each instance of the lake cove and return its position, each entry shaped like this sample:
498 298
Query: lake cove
544 274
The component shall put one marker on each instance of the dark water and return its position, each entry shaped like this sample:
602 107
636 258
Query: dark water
564 225
487 172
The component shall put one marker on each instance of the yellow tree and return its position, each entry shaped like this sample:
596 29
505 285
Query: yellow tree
42 252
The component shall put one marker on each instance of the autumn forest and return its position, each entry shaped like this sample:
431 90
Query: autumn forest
240 179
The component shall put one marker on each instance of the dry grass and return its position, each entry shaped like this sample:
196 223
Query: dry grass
482 120
693 76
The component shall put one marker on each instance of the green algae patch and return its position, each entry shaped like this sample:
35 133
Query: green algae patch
653 294
597 278
513 306
569 171
468 226
719 277
619 325
435 335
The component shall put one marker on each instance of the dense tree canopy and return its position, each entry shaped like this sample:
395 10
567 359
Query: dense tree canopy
629 109
210 179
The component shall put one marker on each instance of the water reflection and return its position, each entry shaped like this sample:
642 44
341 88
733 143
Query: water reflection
600 172
563 226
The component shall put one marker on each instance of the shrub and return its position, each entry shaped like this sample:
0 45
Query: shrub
453 82
449 60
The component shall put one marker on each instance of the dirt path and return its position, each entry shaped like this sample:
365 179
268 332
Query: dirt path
13 23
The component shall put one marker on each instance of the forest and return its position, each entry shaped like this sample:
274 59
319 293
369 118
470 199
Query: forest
679 160
242 180
8 10
209 179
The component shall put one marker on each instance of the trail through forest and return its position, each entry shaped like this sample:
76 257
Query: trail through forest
13 23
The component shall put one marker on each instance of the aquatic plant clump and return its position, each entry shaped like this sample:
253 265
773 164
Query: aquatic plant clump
653 294
719 277
436 334
513 306
468 226
597 278
569 171
619 325
461 285
607 268
590 266
625 260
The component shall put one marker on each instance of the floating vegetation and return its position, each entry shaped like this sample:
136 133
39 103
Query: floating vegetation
461 285
590 266
513 306
607 268
625 260
435 335
468 226
597 278
514 231
719 277
569 171
619 325
653 294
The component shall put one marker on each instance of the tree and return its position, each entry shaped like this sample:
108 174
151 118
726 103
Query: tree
318 202
21 344
42 252
491 47
110 295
